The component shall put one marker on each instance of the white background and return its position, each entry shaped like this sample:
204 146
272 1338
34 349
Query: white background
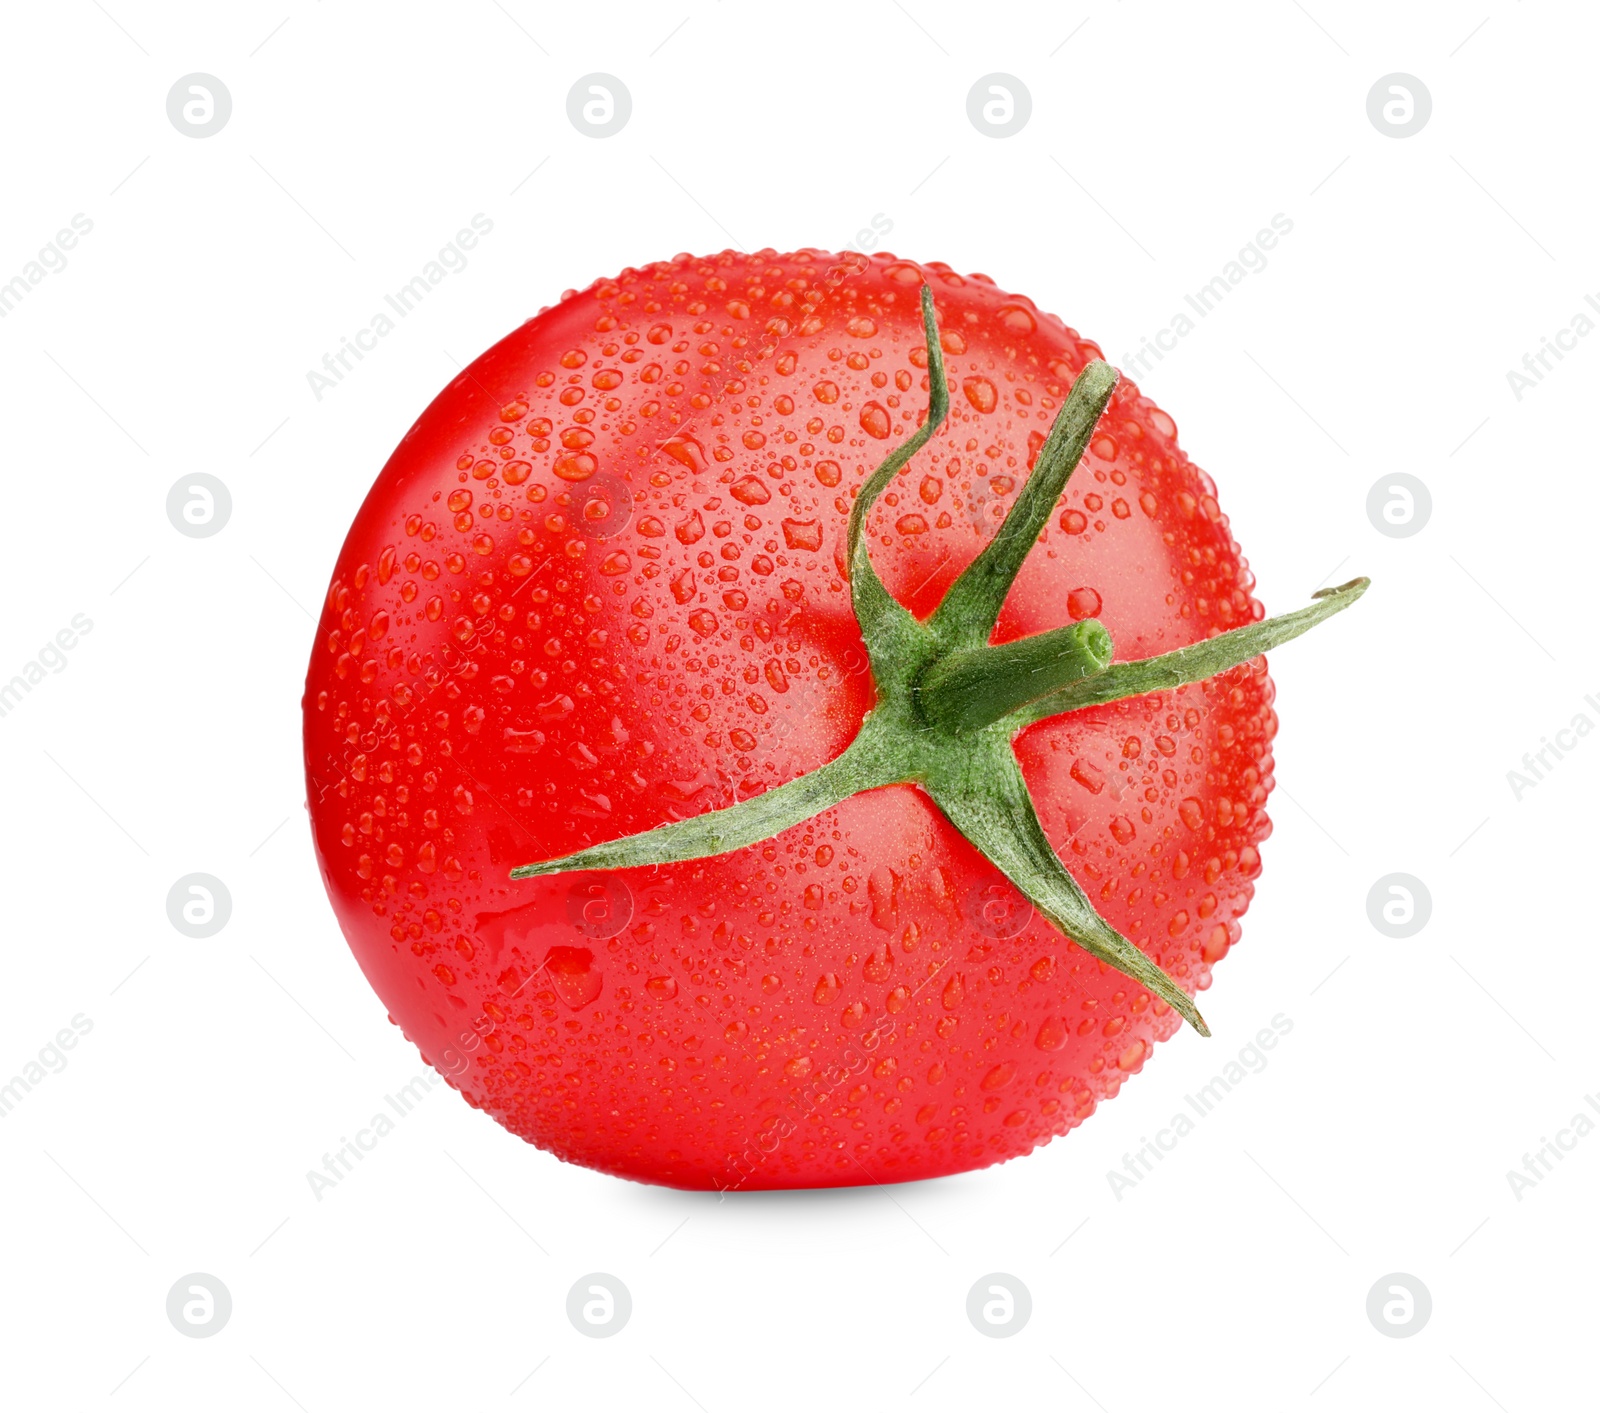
1378 339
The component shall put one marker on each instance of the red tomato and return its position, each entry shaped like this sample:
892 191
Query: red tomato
599 586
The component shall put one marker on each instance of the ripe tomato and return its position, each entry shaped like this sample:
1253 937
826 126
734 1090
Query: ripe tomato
600 586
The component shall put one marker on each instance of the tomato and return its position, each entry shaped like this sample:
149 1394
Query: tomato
602 586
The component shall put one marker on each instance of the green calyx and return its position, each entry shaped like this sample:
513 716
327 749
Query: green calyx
949 702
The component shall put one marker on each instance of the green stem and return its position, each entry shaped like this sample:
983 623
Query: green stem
886 626
967 615
986 798
1195 663
967 690
863 765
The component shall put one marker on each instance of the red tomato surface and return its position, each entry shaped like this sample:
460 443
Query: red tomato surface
598 587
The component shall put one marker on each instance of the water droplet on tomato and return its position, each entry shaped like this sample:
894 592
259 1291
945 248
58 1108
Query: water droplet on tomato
1052 1034
980 393
1000 1076
573 975
802 534
1016 319
579 466
686 450
875 420
1083 603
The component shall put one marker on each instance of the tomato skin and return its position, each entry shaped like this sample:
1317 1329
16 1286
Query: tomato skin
514 662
